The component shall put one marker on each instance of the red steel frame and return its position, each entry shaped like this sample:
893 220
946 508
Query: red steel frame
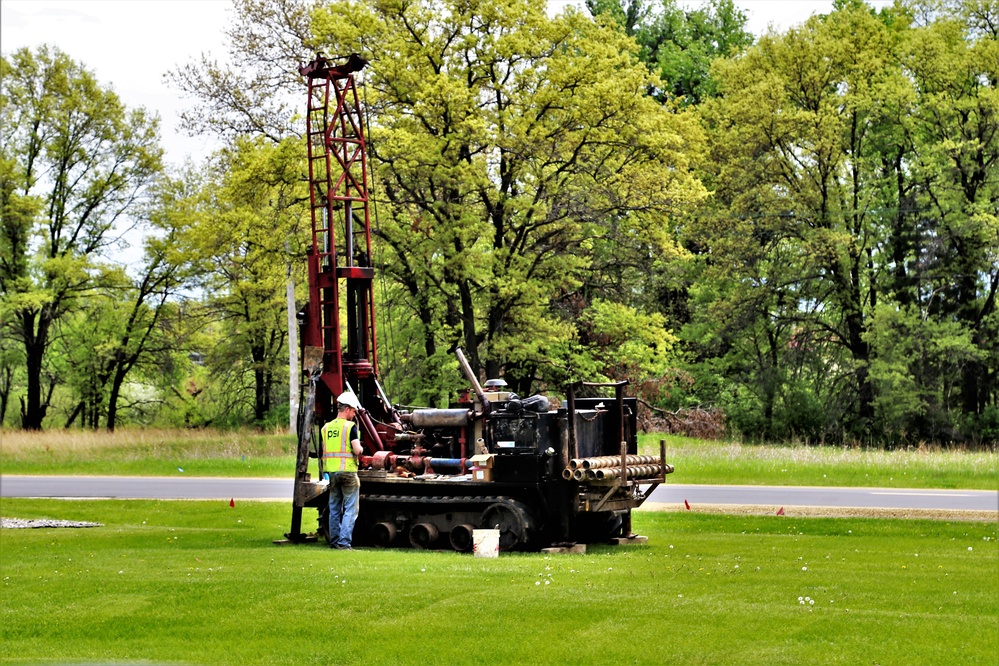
338 192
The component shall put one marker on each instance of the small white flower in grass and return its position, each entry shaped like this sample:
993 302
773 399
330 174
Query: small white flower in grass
811 602
424 569
969 547
801 598
121 572
537 582
612 568
679 596
804 568
548 582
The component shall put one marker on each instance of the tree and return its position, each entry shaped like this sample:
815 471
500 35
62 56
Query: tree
256 94
508 145
245 237
69 145
851 241
679 43
954 62
119 328
799 133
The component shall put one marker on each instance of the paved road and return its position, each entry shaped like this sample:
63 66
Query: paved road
861 498
281 489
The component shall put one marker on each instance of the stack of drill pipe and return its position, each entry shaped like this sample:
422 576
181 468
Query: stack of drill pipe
610 461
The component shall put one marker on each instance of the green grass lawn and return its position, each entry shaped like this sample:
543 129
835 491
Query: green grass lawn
216 453
201 583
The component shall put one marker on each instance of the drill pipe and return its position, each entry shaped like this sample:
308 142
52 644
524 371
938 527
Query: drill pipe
637 472
610 461
634 472
615 461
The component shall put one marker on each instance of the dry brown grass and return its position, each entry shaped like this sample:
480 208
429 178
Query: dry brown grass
134 443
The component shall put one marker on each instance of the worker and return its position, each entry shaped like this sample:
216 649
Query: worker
341 449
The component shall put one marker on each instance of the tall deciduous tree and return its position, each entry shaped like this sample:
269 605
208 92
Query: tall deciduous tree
119 330
509 145
244 239
853 230
69 145
253 92
954 63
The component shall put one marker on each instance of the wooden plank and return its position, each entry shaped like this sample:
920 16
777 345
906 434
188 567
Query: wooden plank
574 549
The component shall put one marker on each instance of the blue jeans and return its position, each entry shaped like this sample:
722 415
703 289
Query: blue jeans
345 489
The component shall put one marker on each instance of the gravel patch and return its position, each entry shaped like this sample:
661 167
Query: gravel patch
22 523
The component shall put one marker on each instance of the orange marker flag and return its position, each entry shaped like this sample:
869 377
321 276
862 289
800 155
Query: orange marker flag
780 511
232 502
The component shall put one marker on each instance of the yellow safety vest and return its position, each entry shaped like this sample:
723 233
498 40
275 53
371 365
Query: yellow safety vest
337 452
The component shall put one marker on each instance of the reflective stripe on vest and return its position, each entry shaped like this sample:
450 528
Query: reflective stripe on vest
337 447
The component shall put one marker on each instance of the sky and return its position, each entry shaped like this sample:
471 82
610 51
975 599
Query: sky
131 44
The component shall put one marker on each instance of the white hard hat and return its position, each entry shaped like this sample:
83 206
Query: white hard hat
348 399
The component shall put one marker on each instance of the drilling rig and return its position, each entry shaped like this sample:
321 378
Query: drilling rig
544 477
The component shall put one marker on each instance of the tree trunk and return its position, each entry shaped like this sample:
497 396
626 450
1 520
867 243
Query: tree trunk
468 326
116 384
76 412
5 386
33 408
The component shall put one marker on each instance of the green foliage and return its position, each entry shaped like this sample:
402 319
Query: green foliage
246 238
679 43
802 232
634 345
509 146
846 270
74 164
